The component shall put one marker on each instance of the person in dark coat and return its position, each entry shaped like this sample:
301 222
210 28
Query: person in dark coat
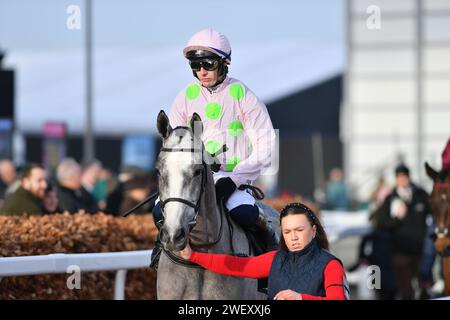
50 201
71 196
135 191
403 216
7 176
117 196
29 196
89 177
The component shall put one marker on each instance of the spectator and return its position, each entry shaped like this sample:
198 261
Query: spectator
136 190
7 176
28 197
381 191
116 197
50 200
101 189
89 177
377 196
71 196
403 216
375 247
336 192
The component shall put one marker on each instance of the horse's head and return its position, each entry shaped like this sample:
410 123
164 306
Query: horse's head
440 203
181 173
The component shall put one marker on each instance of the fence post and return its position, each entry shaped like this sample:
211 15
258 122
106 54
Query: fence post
119 284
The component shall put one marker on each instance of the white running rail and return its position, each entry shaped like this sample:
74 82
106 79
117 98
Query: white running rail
86 262
338 224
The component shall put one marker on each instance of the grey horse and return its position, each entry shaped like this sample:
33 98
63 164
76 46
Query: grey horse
187 195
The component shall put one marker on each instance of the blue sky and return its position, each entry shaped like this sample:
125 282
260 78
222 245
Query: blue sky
279 47
41 24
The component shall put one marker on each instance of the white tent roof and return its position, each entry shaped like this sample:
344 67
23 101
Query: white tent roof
131 85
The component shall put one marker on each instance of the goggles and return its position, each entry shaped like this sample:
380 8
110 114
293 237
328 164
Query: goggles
207 64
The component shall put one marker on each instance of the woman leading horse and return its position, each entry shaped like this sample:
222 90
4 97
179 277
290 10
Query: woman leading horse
301 269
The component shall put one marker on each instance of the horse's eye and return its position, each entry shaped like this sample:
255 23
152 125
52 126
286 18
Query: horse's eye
157 172
197 172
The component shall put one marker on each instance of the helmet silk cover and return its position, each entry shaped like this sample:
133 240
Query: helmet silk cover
210 40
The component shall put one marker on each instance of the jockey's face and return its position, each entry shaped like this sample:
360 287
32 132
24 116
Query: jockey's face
297 231
208 78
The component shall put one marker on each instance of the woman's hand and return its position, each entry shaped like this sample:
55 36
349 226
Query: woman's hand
186 252
288 295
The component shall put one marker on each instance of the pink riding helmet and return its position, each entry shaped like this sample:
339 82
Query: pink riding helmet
210 40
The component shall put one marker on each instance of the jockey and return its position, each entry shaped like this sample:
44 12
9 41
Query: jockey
232 115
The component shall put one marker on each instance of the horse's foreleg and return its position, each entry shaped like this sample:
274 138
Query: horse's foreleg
176 282
218 287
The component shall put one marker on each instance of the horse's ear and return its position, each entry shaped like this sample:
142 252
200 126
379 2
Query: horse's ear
163 125
196 125
430 171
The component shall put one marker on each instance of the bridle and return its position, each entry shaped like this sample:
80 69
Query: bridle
442 232
195 206
442 185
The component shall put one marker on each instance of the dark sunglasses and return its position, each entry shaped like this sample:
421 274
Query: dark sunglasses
207 64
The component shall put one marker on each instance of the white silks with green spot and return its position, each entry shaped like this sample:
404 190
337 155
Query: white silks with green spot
234 116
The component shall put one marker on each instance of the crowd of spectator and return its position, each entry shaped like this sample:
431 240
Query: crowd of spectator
72 188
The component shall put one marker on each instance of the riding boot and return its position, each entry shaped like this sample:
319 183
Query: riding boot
156 252
270 237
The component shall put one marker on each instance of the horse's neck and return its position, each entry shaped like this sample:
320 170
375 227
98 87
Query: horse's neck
209 221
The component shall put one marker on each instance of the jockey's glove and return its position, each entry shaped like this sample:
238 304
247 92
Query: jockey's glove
224 189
